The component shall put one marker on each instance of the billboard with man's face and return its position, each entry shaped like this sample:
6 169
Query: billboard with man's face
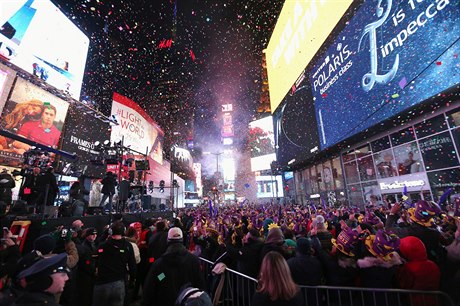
32 113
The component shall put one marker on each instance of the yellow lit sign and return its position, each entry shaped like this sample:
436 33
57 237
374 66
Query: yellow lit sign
301 29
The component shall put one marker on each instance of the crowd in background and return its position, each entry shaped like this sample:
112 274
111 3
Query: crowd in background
389 245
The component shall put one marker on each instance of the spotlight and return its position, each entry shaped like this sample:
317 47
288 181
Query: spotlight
106 142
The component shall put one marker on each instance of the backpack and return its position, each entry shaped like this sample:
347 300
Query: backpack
190 296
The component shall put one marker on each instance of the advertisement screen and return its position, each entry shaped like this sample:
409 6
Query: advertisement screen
6 80
301 29
37 37
138 131
82 131
295 128
387 59
261 143
33 113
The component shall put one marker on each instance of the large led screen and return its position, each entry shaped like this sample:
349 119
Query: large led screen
391 56
261 143
295 128
33 113
37 37
135 127
301 29
82 131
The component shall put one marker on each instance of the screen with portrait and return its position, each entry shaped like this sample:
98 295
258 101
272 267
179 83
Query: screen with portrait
33 113
389 57
261 143
37 37
82 131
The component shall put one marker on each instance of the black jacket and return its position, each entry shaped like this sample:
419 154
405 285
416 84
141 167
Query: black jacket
169 273
113 258
35 298
158 244
247 257
108 184
306 270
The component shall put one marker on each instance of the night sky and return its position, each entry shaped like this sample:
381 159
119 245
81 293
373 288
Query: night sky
215 58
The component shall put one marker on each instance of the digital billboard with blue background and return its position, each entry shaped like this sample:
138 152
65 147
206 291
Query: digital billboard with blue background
390 56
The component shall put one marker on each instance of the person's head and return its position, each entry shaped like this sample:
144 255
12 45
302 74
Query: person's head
36 171
32 108
387 157
48 115
131 232
118 229
77 225
410 155
275 278
90 234
45 244
46 275
175 235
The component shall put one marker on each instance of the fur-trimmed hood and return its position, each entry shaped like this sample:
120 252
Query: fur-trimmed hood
345 262
369 262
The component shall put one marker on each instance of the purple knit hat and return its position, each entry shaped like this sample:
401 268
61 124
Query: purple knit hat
346 241
383 244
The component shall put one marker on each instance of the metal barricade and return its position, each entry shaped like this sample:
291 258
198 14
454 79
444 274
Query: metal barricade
357 296
237 289
230 288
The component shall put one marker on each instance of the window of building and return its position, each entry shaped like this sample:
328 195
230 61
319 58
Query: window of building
454 119
337 173
369 189
380 144
363 151
366 168
355 195
351 172
408 158
348 156
385 164
403 136
431 126
438 152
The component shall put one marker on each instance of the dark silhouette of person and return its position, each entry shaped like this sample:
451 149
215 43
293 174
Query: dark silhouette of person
108 189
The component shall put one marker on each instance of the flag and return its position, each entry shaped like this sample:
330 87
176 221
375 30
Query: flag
444 196
210 207
323 204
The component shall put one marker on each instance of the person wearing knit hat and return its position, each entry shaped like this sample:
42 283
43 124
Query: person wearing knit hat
175 268
43 280
45 244
275 242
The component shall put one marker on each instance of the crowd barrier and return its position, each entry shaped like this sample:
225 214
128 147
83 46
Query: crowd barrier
233 288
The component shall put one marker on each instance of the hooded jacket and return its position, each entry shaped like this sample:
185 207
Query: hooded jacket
418 272
175 268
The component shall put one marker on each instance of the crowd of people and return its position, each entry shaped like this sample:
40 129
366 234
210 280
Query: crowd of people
391 245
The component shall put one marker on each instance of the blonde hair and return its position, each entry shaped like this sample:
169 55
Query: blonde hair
275 278
19 113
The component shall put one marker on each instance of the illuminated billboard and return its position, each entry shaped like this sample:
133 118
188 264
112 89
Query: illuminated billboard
295 128
387 59
138 131
33 113
79 138
37 37
301 29
261 143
